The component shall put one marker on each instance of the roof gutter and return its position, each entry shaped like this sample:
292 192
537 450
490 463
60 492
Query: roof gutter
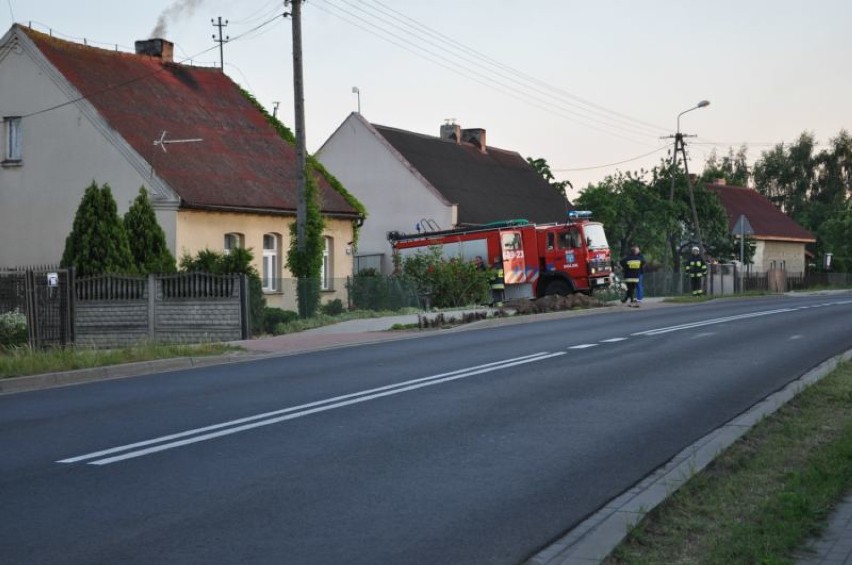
269 211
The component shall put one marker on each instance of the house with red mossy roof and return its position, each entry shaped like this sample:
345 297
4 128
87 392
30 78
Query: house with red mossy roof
217 170
779 241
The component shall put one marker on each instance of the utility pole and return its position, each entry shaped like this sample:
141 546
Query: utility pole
220 41
680 146
299 107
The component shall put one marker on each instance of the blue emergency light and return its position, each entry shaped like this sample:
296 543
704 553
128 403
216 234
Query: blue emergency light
579 214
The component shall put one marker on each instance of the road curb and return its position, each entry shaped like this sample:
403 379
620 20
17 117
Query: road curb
598 535
65 378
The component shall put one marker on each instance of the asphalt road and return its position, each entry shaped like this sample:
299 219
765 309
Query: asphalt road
477 446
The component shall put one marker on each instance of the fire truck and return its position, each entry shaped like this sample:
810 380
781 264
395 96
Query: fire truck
537 260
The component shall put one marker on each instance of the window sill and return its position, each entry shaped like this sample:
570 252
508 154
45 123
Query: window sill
11 163
272 291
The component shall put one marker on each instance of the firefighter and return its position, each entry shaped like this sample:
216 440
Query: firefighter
696 269
498 284
632 267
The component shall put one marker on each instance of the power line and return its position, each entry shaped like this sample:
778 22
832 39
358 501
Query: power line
657 150
517 81
466 71
143 76
11 11
445 38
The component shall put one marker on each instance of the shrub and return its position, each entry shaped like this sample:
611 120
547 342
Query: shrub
146 238
274 316
98 242
448 283
333 307
13 329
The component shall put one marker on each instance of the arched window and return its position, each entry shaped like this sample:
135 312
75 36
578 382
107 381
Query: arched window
326 275
271 263
233 240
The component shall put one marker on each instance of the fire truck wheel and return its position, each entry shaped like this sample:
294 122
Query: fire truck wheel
561 288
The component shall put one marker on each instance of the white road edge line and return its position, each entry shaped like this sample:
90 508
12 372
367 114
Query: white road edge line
298 411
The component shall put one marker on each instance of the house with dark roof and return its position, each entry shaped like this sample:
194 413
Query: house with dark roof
779 241
218 173
413 182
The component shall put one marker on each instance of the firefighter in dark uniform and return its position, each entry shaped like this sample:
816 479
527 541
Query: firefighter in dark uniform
632 266
498 283
696 269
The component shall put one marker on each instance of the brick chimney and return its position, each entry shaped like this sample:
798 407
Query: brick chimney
451 130
156 48
475 136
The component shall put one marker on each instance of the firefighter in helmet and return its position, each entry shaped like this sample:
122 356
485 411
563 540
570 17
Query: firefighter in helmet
632 267
498 283
696 269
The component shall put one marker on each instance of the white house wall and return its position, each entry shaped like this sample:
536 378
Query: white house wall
396 198
63 152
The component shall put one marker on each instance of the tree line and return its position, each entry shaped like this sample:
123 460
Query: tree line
811 184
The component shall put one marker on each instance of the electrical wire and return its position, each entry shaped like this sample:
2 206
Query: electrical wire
268 8
509 81
146 75
657 150
462 70
445 38
11 11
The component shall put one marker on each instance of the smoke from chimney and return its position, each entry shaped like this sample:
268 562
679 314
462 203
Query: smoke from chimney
178 8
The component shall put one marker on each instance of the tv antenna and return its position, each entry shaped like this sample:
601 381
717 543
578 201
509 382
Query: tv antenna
163 141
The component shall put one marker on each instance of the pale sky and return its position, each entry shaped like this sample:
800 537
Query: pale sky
579 83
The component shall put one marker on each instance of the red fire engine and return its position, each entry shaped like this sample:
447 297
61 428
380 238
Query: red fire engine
537 260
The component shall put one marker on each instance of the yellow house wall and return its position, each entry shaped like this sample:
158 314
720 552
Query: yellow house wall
198 230
785 254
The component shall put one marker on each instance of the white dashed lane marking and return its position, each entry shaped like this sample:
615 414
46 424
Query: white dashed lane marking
613 340
583 346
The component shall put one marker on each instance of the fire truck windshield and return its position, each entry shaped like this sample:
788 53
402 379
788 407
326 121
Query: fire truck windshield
595 236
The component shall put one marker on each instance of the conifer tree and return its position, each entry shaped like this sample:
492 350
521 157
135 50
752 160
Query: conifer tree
97 243
146 237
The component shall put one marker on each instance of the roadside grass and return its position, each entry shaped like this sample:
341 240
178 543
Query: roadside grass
764 497
22 361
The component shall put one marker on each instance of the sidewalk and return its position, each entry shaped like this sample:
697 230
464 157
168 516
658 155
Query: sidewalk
834 547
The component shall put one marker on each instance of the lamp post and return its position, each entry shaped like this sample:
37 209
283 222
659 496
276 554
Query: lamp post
679 146
357 92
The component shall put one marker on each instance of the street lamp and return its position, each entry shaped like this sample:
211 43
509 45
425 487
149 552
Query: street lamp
357 91
702 104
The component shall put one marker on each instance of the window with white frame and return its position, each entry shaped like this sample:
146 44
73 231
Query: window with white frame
326 274
233 240
271 263
12 139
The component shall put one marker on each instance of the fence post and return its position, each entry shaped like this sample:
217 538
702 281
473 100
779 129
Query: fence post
245 311
152 310
32 319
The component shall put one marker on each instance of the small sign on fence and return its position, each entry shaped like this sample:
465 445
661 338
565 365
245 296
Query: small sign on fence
52 279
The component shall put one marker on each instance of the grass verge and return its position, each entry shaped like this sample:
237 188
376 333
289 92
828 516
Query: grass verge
765 496
22 361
